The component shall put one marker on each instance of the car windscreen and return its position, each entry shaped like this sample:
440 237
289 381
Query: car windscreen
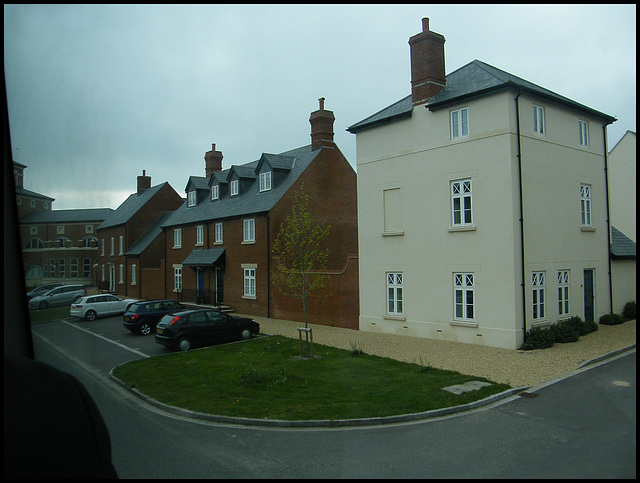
137 308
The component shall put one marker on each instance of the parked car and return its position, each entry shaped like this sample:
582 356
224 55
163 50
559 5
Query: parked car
58 297
189 328
142 317
42 289
94 306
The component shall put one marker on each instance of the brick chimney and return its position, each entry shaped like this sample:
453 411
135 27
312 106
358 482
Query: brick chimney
427 64
321 127
144 182
212 161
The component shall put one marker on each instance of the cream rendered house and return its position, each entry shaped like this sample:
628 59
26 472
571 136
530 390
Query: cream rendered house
445 177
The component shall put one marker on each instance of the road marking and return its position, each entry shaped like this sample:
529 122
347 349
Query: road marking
106 339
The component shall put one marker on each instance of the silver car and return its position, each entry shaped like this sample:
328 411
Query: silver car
61 296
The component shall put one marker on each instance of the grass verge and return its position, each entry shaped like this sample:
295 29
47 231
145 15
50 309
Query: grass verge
264 378
46 315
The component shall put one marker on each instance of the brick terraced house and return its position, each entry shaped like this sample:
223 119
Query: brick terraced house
219 242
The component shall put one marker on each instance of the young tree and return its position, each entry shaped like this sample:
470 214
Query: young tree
301 258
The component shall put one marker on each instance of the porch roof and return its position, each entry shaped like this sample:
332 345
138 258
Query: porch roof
204 257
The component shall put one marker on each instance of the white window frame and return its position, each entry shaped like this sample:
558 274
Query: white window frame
464 296
177 278
233 188
133 274
249 282
459 123
121 245
86 267
191 198
199 235
249 230
73 268
564 309
102 279
113 246
461 195
539 126
583 132
265 181
121 274
60 230
88 229
102 247
585 205
177 238
538 298
395 293
61 268
218 232
215 192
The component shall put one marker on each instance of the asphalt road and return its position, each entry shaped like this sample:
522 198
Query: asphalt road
581 427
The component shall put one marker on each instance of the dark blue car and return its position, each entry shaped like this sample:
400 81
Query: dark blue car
142 317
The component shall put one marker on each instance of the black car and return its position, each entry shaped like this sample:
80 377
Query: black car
188 328
142 317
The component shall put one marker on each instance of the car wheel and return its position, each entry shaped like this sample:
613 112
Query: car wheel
184 344
145 329
245 334
43 305
91 315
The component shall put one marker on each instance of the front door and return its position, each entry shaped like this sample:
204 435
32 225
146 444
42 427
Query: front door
200 284
219 286
589 297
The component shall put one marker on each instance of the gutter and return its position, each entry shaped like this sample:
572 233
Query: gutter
524 304
606 188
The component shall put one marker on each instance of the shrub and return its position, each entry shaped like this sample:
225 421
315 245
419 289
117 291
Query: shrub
582 327
564 332
538 338
611 319
629 311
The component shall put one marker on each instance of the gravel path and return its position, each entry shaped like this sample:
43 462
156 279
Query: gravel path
514 367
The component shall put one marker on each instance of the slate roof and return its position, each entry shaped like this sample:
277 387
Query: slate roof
472 80
251 200
622 247
130 207
148 236
32 194
67 216
201 257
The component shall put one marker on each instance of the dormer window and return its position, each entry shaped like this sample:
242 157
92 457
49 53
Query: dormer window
265 181
191 198
215 192
234 187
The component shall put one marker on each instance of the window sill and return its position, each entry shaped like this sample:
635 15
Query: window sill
454 229
461 323
177 247
393 233
400 318
199 244
249 297
587 228
250 242
540 323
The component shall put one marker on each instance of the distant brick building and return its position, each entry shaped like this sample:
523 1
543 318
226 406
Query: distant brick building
131 227
57 245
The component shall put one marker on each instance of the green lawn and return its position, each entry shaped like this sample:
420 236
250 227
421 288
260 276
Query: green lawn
49 314
264 378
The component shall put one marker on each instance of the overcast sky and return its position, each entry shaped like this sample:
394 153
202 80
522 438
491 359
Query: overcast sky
97 94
